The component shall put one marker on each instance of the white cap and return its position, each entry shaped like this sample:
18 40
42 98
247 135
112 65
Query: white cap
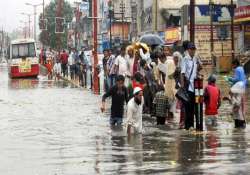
136 90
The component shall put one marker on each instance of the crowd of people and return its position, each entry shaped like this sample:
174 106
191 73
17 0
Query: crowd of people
73 65
148 80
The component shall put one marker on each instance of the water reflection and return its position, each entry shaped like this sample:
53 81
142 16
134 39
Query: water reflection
118 156
212 143
23 83
239 150
37 83
136 155
190 153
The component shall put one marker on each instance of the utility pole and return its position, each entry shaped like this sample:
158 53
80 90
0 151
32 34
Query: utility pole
29 24
59 14
122 13
29 21
25 31
77 15
35 6
110 30
232 28
156 16
192 21
111 13
2 43
133 19
211 9
211 6
96 79
24 28
43 9
35 23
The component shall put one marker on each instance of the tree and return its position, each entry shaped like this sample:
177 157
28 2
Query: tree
49 37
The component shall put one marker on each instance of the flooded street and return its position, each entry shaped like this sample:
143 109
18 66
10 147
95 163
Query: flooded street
54 128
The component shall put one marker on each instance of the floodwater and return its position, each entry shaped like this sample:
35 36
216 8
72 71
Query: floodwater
54 128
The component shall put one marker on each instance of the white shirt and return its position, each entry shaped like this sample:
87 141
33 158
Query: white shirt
57 68
130 64
134 115
162 66
123 65
71 59
186 69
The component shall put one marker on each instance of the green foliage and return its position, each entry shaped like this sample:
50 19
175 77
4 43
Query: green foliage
49 37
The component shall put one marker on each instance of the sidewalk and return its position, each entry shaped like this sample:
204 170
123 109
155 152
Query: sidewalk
44 71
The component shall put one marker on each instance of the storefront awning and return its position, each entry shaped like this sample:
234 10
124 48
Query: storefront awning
242 14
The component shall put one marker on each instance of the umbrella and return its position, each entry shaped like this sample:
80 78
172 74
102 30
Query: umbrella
151 39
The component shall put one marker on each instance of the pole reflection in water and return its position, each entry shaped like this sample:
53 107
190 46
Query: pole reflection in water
190 153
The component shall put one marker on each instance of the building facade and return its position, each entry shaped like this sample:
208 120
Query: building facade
242 17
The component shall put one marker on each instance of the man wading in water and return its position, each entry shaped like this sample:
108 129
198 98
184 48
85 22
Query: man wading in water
119 95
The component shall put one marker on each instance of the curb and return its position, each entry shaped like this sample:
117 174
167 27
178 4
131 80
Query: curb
73 83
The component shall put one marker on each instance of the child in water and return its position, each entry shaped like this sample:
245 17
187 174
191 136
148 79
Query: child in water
212 101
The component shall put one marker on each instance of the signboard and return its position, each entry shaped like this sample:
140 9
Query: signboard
243 2
220 14
84 8
172 35
202 41
242 14
25 66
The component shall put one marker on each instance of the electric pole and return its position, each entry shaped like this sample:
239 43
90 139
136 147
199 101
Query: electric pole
77 15
211 5
34 7
96 79
122 6
192 21
232 27
211 9
43 9
156 16
2 42
111 15
59 8
29 21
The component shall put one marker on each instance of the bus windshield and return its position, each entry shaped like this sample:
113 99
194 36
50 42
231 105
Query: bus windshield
23 50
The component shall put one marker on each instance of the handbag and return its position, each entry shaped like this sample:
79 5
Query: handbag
182 93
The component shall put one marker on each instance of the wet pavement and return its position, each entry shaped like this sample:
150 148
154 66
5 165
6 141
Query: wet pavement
54 128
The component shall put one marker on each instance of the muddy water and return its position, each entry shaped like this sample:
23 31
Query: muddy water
53 128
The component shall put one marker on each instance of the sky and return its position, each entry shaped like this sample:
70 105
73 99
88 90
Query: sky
10 12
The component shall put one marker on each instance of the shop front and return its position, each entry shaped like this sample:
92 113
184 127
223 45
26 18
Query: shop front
242 17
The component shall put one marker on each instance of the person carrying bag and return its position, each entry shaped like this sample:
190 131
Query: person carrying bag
182 93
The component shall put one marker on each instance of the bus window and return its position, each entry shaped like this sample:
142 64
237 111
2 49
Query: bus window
23 50
32 52
14 51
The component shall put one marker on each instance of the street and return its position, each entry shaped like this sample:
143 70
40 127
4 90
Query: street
54 128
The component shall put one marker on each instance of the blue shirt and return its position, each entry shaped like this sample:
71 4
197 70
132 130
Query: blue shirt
239 75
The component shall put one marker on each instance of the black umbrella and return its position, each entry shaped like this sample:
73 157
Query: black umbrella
151 39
